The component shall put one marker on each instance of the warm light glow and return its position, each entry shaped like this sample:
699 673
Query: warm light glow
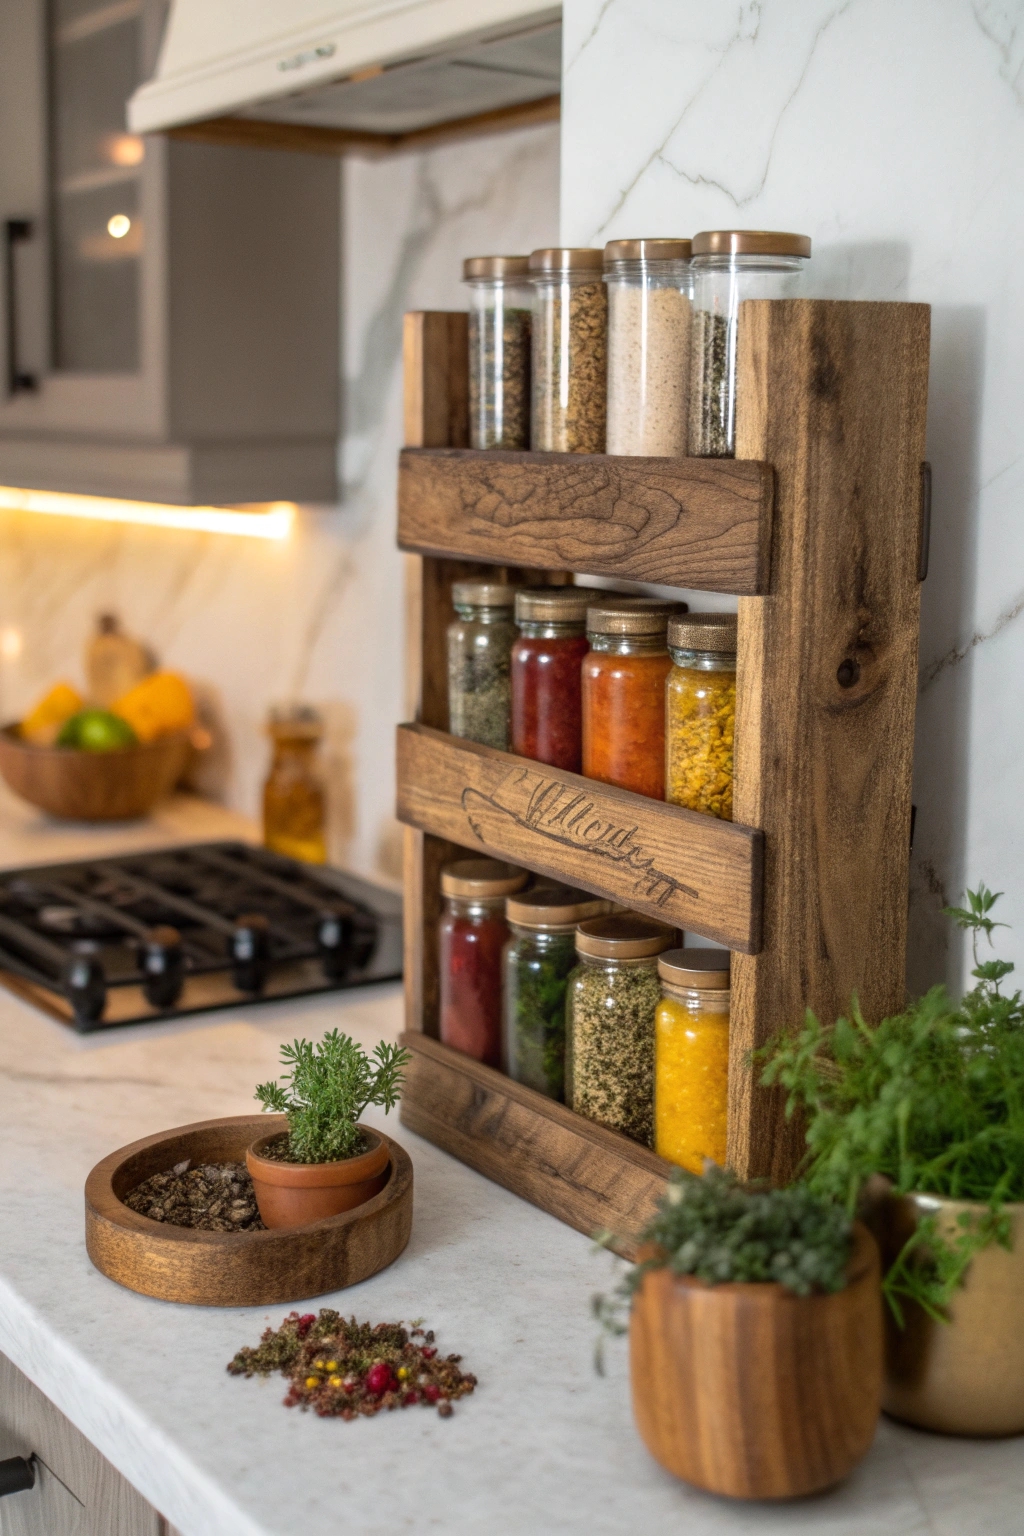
10 643
274 523
126 149
119 225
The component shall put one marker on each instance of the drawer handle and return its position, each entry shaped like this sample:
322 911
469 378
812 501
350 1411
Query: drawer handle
18 381
17 1474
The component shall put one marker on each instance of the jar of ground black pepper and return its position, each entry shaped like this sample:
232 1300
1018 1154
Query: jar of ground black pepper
570 315
479 656
471 936
700 712
648 346
538 959
547 707
500 299
730 265
691 1057
610 1005
623 677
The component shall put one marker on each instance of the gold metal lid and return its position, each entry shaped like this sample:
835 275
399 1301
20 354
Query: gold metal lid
750 242
483 594
707 970
632 615
481 877
554 906
553 604
703 632
566 258
647 250
623 936
501 268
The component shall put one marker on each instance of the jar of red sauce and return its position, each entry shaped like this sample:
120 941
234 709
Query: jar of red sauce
472 935
547 706
624 676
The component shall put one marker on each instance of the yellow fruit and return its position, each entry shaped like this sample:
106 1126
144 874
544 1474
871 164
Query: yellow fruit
162 702
43 723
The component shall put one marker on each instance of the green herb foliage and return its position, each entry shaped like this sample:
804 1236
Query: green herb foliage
328 1088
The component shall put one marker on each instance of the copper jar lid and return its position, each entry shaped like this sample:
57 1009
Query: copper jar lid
482 877
554 906
623 936
647 250
703 632
632 615
555 605
482 594
566 258
495 268
706 970
750 242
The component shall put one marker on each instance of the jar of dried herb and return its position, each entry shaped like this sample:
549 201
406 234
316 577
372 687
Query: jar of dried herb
610 1005
500 299
649 325
538 960
624 676
569 347
700 710
730 265
547 704
691 1057
471 936
479 657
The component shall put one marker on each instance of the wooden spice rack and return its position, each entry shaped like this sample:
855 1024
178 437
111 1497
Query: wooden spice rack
819 527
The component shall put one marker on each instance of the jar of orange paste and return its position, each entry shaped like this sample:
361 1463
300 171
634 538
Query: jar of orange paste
624 676
691 1057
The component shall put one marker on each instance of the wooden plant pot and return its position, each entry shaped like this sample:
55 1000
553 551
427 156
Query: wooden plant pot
292 1194
751 1391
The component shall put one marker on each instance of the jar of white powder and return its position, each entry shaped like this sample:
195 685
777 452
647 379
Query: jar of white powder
648 346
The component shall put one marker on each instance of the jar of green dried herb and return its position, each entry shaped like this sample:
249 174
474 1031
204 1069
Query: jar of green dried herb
500 299
569 350
610 1006
728 266
538 959
479 660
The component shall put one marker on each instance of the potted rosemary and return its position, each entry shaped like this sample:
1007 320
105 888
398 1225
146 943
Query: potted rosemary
920 1122
325 1161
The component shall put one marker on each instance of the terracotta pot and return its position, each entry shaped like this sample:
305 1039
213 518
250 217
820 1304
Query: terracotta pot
293 1194
751 1391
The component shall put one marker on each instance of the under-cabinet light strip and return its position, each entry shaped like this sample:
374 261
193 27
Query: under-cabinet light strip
274 523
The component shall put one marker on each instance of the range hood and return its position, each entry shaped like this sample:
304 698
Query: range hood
365 69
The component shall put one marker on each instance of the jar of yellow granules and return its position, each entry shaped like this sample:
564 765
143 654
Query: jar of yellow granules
701 712
691 1057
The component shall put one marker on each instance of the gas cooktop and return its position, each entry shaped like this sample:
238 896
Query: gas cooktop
146 936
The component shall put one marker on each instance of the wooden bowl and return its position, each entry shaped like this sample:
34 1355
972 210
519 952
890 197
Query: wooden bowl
236 1269
93 786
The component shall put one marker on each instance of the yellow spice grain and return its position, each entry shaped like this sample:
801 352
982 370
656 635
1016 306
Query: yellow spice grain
691 1079
700 723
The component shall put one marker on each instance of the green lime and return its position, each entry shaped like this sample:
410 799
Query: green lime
96 730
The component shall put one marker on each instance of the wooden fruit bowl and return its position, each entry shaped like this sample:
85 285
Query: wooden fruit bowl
236 1269
93 786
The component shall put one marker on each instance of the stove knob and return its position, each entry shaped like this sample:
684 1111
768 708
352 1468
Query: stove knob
85 988
334 941
249 947
162 962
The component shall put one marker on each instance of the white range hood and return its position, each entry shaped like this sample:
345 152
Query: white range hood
386 67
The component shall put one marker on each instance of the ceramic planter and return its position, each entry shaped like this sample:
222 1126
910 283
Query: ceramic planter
751 1391
293 1194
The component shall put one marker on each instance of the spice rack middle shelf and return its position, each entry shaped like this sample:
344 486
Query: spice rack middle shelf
687 869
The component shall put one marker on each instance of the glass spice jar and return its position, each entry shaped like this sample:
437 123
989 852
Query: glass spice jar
570 312
538 959
700 710
479 657
609 1022
730 265
649 327
471 936
547 704
294 801
500 300
691 1057
623 677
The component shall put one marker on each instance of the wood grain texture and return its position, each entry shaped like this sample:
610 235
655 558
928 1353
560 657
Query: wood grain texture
586 1175
93 786
235 1269
703 523
435 373
753 1392
834 396
686 869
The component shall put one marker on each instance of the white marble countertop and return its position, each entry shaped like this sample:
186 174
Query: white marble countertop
544 1445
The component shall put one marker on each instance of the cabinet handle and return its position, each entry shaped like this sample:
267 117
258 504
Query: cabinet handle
18 381
17 1474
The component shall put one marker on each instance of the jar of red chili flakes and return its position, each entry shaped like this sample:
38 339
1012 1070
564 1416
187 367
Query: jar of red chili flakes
624 693
547 705
472 934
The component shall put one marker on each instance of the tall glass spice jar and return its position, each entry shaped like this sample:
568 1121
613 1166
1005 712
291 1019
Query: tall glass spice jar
500 299
538 960
569 349
649 325
471 936
700 709
479 657
730 265
294 800
691 1057
547 704
624 676
610 1006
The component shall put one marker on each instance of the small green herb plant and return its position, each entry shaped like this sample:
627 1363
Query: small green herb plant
933 1099
327 1090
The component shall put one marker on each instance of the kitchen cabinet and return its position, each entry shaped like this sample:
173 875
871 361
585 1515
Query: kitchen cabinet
169 310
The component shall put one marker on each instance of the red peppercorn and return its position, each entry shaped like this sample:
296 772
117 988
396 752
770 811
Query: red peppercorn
305 1323
378 1379
431 1392
412 1396
428 1354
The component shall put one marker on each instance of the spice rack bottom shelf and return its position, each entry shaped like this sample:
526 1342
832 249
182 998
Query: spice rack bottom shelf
589 1177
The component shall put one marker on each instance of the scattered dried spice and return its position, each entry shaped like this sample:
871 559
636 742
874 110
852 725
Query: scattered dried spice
479 682
701 721
570 370
538 967
342 1369
499 377
610 1036
215 1197
712 403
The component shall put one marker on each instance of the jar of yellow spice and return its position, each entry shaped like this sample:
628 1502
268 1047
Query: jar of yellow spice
701 712
691 1057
